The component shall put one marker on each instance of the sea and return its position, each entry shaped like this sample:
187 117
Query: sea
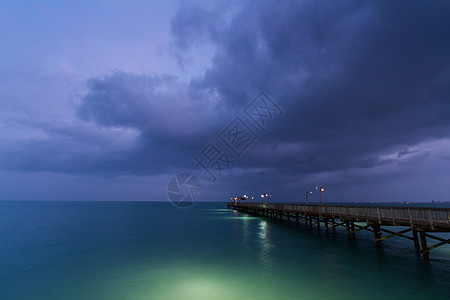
155 250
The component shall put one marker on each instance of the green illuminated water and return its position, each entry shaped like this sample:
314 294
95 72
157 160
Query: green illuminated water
107 250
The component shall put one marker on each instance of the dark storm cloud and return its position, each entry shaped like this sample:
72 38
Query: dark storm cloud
128 124
358 79
160 108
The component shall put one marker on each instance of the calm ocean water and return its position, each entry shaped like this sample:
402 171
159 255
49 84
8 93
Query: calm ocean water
138 250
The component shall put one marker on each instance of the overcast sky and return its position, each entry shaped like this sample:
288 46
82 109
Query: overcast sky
108 99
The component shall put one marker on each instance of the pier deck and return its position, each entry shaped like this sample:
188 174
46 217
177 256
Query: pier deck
420 221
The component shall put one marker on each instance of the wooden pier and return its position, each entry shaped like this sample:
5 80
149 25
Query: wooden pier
420 221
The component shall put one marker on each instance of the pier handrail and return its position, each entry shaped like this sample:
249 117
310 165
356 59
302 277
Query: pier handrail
429 216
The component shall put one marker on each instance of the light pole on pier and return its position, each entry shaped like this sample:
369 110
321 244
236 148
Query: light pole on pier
307 193
266 196
321 189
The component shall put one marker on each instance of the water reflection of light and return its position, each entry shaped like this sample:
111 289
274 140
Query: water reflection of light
192 280
264 243
245 231
203 288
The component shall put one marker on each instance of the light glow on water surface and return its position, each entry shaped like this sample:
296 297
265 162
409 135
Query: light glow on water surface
192 280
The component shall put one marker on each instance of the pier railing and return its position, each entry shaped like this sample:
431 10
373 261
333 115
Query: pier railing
408 216
420 221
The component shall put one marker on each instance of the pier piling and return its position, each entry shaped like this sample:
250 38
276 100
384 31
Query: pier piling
418 220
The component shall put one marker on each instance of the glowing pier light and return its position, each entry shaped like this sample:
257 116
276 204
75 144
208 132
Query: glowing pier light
321 189
266 196
307 193
236 199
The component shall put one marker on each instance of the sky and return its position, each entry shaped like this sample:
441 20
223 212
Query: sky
109 100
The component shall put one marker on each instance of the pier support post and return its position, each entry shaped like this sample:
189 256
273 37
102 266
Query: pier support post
416 239
347 226
352 227
423 241
377 234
